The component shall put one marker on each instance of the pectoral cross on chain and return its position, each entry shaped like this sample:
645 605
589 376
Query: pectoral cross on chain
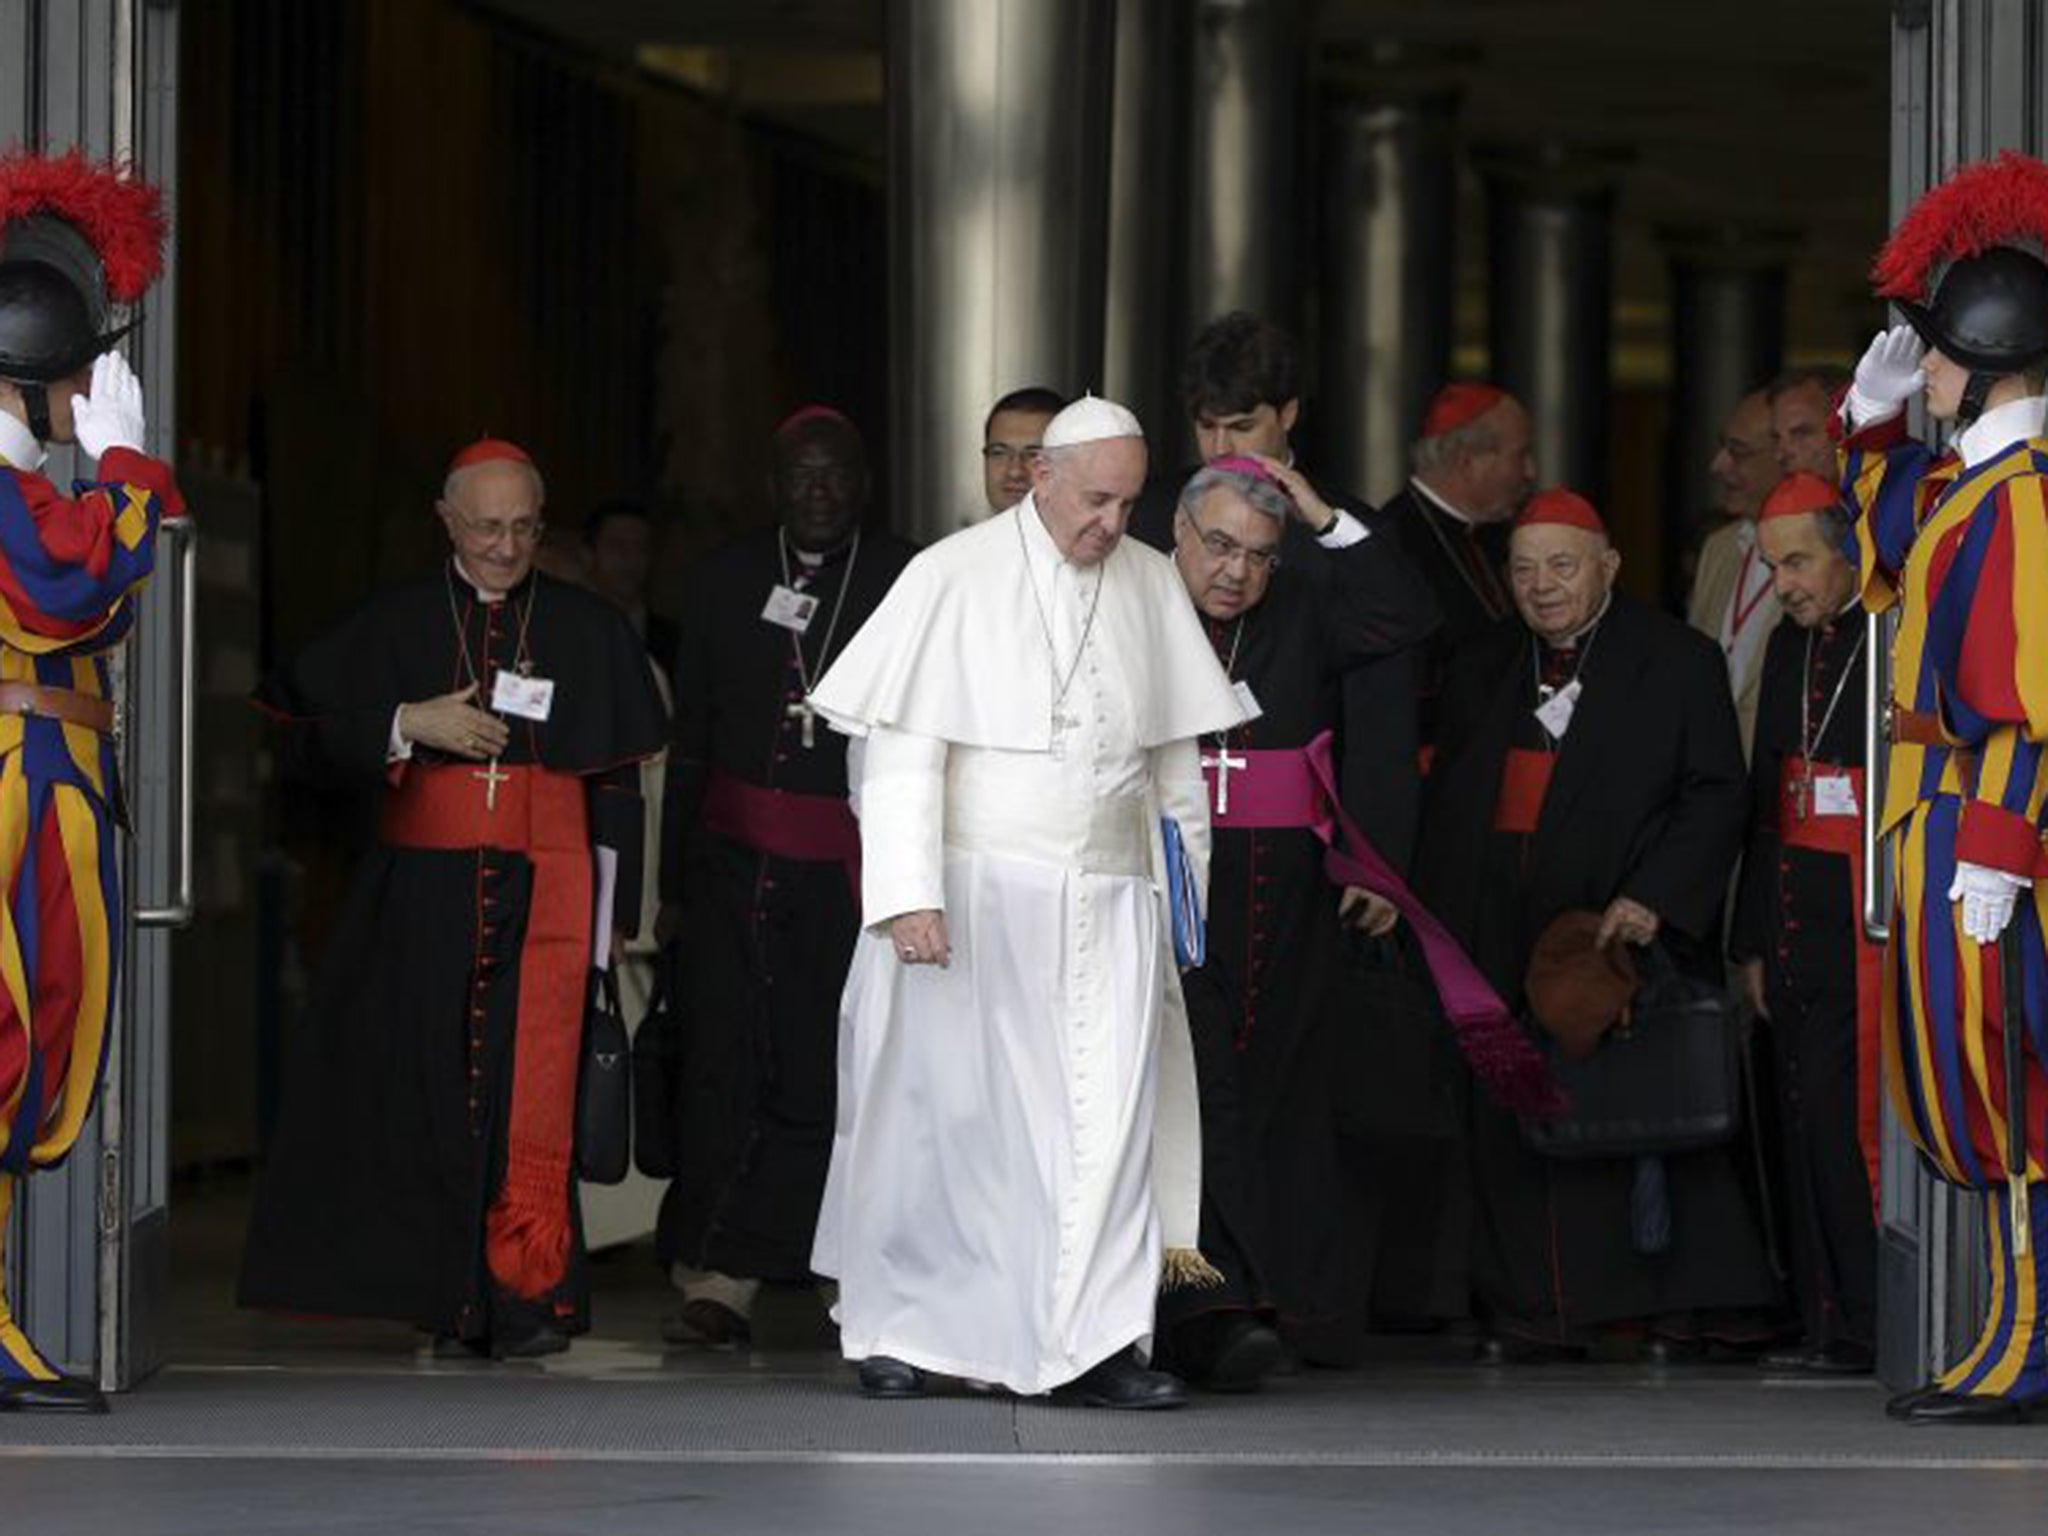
1224 763
492 777
801 710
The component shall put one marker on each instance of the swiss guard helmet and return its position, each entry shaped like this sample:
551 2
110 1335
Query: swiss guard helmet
1965 268
79 242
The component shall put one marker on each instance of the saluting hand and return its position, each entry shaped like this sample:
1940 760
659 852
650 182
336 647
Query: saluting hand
453 724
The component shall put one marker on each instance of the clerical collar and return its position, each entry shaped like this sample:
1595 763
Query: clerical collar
477 587
18 445
1571 641
1999 428
1442 505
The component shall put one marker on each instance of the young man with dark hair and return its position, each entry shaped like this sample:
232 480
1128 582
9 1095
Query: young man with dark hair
1010 441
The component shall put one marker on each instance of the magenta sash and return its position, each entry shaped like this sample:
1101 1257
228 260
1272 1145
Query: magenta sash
817 829
1296 787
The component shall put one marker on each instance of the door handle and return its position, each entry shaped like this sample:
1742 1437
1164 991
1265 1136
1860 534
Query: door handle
1876 681
183 534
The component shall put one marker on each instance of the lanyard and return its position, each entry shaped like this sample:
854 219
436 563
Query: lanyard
1745 607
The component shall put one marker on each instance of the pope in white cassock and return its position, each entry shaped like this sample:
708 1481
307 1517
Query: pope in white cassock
1016 1169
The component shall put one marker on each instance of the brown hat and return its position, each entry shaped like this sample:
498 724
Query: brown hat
1578 990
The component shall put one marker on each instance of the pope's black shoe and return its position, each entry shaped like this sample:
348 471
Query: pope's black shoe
1120 1382
1969 1408
67 1394
885 1376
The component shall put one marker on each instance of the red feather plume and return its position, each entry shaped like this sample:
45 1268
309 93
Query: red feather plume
1995 202
121 216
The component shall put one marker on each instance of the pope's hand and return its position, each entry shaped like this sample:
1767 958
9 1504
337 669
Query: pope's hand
1888 375
1373 916
1753 988
1629 921
1309 508
111 415
453 724
919 938
1988 897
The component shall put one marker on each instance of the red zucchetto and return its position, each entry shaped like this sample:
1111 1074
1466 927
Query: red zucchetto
1459 405
1560 508
489 450
1798 494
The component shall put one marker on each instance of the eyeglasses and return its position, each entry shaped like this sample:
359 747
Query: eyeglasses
1223 548
524 530
1010 453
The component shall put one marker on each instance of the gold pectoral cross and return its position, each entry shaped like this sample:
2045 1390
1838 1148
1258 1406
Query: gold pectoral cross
1224 763
492 777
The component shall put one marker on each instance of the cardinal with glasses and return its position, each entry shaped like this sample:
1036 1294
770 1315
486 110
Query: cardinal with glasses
759 879
423 1163
1269 1007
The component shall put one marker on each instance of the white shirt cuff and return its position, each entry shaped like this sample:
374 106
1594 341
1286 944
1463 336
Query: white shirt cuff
397 749
1344 532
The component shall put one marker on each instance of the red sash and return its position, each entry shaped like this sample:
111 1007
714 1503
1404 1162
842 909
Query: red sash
1799 826
816 829
1524 782
1297 787
542 815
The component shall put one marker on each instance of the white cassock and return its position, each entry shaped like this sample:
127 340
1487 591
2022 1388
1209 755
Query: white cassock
1018 1141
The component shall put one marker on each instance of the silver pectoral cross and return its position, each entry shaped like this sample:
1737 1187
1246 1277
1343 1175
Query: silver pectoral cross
492 777
801 710
1061 724
1224 763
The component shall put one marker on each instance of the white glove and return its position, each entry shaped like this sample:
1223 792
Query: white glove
111 416
1888 375
1987 896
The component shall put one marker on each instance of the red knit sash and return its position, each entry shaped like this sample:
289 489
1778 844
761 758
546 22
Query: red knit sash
543 816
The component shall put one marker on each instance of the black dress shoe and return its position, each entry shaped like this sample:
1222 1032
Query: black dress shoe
707 1322
1227 1351
1842 1357
1120 1382
1969 1408
447 1346
885 1376
1505 1349
67 1394
544 1340
1900 1406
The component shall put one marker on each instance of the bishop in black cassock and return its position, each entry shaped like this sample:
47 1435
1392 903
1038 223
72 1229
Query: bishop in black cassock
1627 796
1472 471
1270 1008
762 866
1798 924
422 1167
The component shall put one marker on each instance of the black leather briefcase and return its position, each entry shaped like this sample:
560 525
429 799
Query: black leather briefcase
1664 1079
604 1088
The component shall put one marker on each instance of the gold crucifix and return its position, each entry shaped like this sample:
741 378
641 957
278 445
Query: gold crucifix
802 711
492 777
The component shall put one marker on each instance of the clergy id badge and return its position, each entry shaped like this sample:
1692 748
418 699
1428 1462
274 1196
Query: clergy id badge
1834 794
789 609
529 698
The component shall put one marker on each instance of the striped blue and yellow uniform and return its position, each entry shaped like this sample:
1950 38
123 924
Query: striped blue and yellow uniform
1961 553
68 566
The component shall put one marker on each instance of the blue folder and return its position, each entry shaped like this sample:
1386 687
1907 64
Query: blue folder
1190 936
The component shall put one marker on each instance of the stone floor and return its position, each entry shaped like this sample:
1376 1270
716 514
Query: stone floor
266 1427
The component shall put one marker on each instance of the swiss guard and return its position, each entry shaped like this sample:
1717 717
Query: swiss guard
78 243
1956 544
